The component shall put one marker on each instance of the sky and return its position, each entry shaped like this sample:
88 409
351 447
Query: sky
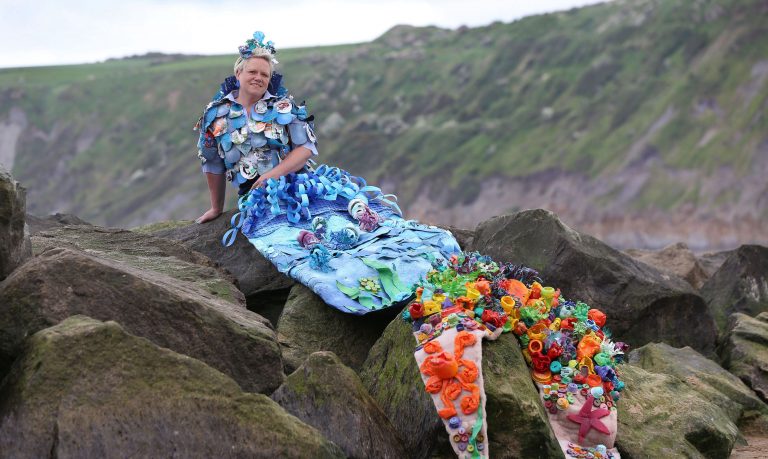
50 32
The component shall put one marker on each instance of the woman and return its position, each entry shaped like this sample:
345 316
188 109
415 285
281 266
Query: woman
246 153
325 228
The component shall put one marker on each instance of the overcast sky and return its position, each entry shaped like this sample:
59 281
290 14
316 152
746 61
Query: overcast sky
46 32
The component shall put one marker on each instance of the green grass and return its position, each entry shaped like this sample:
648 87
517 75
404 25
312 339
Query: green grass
605 84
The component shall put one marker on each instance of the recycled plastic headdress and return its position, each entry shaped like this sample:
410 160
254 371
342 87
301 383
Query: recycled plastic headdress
247 50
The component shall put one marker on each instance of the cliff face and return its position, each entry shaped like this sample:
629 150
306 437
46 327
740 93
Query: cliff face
641 122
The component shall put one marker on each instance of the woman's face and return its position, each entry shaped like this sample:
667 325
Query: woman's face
254 77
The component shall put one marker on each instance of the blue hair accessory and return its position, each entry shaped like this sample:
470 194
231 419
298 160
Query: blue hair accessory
257 41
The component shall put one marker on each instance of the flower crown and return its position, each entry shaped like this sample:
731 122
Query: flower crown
257 41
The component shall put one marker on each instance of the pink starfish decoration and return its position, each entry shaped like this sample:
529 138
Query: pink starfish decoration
589 419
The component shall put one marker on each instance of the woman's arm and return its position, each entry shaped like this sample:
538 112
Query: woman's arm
294 161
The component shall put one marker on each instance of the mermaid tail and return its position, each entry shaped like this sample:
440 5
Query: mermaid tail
340 237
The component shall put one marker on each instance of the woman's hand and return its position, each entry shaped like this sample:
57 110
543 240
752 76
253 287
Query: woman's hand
262 180
295 160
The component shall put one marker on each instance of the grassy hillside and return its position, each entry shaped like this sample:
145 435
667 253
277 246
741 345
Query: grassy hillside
671 90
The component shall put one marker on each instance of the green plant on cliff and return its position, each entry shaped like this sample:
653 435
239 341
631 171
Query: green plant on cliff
591 91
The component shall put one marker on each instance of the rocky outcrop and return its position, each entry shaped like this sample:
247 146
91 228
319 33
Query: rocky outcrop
38 224
710 262
190 318
661 416
392 378
144 252
329 396
642 303
14 242
675 259
740 285
517 424
254 273
86 388
308 325
706 377
744 351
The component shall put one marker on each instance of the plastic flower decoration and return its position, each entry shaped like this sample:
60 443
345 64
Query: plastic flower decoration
257 41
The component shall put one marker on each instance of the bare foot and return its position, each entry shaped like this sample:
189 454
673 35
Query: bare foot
211 214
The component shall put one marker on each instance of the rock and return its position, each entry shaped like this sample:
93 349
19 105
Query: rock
675 259
330 397
463 236
744 351
38 224
269 304
642 304
712 261
661 416
308 325
392 378
171 312
144 252
517 424
740 285
85 388
14 241
706 377
254 273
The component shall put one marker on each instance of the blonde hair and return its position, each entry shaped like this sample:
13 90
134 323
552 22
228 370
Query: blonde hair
258 53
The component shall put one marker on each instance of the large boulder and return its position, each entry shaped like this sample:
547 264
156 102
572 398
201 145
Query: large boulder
86 388
675 259
643 304
744 351
517 424
14 241
392 378
706 377
181 315
308 325
662 416
254 272
329 396
740 285
144 252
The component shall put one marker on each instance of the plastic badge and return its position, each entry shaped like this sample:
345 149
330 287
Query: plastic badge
248 168
283 106
258 140
238 137
235 111
285 118
238 122
232 156
219 127
226 142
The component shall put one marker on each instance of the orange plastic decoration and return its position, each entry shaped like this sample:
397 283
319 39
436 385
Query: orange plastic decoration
449 375
483 286
537 331
535 345
597 316
588 346
594 380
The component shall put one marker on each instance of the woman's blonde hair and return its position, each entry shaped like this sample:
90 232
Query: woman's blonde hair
258 53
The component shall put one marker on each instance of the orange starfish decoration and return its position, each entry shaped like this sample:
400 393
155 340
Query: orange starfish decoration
449 375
